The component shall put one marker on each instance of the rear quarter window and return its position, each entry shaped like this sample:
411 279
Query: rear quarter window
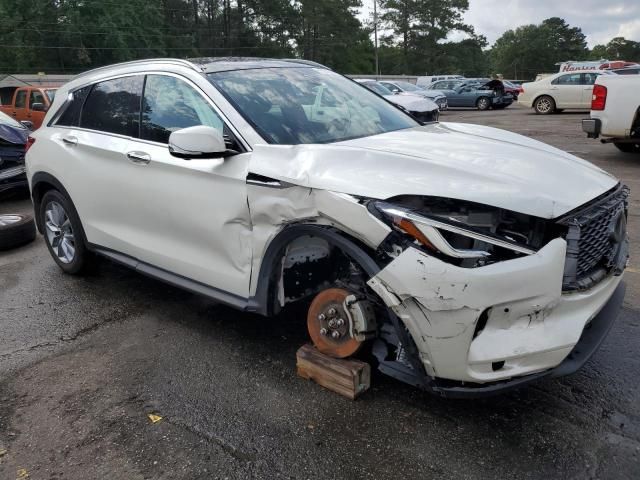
70 116
113 106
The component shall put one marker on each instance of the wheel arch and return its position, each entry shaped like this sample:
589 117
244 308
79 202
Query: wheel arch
41 183
264 301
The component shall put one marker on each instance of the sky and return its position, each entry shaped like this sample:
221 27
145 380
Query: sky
600 20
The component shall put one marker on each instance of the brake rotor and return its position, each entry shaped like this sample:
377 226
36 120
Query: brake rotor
328 324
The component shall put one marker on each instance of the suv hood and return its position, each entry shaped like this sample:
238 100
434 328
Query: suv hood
452 160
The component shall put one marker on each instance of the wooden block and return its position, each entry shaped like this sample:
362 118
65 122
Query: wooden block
348 377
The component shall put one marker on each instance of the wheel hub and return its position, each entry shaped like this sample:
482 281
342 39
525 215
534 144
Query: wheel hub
329 324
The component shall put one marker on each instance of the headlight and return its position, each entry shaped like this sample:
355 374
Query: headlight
468 235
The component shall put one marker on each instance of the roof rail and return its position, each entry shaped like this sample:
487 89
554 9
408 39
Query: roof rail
177 61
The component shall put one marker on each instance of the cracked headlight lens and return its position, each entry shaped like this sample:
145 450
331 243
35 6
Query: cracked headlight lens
468 237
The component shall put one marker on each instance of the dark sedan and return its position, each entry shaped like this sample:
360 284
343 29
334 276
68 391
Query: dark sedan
13 141
479 94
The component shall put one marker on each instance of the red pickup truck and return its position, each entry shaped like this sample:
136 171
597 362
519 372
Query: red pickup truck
27 104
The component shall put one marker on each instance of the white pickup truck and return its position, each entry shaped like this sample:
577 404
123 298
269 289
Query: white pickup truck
615 112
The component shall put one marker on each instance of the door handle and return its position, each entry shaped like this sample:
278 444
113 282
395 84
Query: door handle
139 158
70 140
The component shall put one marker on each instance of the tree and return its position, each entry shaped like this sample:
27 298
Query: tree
419 27
533 49
619 48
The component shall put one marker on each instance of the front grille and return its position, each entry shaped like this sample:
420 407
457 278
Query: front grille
596 240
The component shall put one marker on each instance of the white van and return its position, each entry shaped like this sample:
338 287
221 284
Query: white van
428 80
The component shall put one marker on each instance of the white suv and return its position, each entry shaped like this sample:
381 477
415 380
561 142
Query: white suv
468 260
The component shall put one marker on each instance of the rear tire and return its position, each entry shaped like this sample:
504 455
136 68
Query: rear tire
16 230
63 233
628 147
544 105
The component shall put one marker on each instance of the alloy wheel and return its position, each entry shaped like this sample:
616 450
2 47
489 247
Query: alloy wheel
59 232
544 105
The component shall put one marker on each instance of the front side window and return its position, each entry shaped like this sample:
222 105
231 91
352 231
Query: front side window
113 106
21 99
51 94
280 104
35 97
170 104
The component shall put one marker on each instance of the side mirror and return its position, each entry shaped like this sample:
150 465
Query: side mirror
27 124
197 142
38 107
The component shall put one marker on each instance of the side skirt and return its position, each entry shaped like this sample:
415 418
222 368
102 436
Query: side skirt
173 279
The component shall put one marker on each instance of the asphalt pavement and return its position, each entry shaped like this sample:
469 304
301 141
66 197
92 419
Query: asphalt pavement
84 361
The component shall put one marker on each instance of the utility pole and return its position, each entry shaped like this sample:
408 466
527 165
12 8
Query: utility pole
375 35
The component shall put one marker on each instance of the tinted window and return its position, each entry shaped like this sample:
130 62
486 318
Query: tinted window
114 106
35 97
171 104
21 99
71 115
573 79
280 103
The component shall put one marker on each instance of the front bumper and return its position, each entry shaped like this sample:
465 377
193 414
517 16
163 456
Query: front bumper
491 328
592 127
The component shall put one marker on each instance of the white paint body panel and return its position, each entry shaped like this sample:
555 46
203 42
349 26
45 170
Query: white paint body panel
467 162
623 102
531 326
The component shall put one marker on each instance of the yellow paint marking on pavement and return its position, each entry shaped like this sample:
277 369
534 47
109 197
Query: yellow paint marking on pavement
22 473
154 418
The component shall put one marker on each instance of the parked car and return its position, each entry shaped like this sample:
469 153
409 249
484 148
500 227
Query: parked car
398 86
614 112
423 109
466 259
562 90
427 80
478 94
513 89
27 104
13 140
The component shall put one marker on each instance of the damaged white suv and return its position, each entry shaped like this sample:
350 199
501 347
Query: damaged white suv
467 260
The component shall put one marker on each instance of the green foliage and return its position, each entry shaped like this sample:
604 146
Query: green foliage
69 36
532 49
618 48
63 36
419 28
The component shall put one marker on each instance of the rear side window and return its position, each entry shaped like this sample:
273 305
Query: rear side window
71 115
113 106
171 104
572 79
21 99
589 78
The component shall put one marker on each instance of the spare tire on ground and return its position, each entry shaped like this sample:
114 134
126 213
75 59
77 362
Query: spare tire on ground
16 229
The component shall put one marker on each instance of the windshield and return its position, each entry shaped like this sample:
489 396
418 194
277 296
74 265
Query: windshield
7 120
408 87
378 88
51 94
299 105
